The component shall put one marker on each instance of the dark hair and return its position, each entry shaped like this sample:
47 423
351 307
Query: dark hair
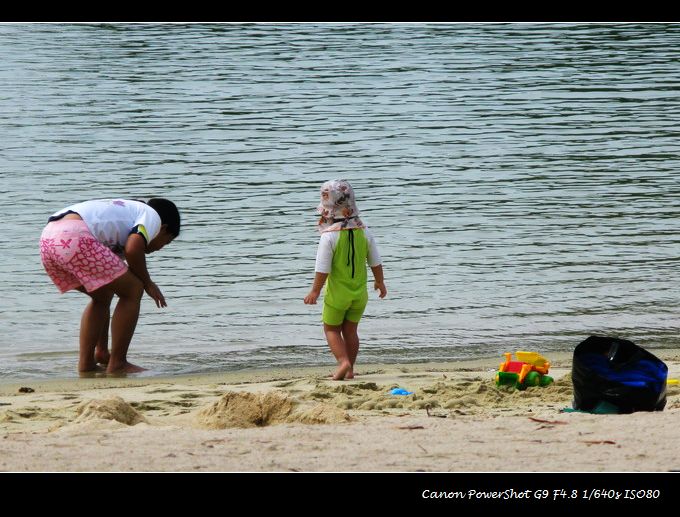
168 212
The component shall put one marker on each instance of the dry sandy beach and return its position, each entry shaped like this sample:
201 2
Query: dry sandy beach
301 421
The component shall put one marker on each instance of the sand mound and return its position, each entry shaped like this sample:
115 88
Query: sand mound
87 427
244 409
319 414
114 408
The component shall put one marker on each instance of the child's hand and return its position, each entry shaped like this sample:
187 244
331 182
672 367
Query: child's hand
311 298
380 286
155 293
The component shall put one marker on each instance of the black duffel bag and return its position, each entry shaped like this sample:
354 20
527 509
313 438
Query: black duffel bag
612 375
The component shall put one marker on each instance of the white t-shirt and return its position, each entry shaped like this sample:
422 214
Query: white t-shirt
324 254
111 221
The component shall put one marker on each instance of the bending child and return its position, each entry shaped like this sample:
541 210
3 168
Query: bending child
346 245
83 246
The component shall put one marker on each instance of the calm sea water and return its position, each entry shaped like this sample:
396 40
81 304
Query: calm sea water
522 181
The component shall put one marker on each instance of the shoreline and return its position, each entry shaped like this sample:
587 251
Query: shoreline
261 374
299 420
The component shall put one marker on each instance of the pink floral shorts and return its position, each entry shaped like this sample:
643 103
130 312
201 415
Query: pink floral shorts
73 257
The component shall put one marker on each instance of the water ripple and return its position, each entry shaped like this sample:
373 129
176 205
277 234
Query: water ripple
521 180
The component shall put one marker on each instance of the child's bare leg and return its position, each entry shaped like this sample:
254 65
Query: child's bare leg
95 318
101 352
351 337
129 289
339 350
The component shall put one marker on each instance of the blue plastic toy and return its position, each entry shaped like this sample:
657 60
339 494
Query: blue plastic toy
400 391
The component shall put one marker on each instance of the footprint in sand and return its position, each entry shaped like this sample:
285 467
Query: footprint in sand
145 406
190 395
179 403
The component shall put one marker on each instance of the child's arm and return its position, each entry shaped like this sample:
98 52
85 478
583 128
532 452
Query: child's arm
374 258
319 280
135 249
379 284
324 257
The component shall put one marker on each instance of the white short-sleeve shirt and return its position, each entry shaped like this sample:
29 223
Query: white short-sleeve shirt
112 220
327 242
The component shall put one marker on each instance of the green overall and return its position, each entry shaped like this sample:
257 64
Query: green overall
346 295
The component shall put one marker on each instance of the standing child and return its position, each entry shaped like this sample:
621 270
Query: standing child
83 246
344 248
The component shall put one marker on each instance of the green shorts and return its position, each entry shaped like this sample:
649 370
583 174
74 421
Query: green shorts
334 316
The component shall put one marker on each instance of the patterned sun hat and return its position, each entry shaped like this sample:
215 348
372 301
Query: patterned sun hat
338 207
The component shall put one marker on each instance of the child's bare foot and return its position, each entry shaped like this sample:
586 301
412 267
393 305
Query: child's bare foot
97 371
348 376
91 370
342 370
102 357
124 368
